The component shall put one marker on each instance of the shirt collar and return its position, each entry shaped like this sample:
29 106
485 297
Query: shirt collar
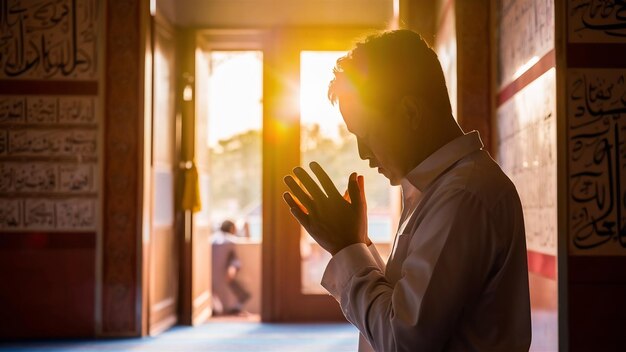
439 161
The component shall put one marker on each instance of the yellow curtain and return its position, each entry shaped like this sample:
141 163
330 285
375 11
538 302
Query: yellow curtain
191 189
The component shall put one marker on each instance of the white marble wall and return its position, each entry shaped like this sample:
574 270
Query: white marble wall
526 150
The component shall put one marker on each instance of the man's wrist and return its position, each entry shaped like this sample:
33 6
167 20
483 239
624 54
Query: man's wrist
367 243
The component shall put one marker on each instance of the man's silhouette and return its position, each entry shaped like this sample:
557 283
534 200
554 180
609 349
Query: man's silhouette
457 276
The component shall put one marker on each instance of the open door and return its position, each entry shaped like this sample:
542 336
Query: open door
234 101
221 94
163 244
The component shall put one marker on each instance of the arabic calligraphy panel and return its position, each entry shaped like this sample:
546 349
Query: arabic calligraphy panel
48 214
49 39
10 214
76 214
79 178
43 139
597 161
596 21
12 109
39 214
35 110
48 142
77 110
47 177
41 110
4 142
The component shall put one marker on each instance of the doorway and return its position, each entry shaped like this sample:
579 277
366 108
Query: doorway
233 104
229 132
259 109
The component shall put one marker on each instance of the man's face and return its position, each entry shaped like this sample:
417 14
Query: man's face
379 137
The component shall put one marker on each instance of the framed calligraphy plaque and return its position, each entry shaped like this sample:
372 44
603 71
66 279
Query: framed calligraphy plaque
596 132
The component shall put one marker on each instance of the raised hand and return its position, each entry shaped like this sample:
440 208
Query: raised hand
334 221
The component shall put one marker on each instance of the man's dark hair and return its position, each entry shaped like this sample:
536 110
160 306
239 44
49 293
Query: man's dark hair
228 226
387 66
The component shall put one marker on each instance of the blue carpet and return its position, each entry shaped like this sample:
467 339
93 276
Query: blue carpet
217 336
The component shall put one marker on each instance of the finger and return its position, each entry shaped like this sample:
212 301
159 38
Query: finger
309 184
302 218
294 202
361 182
325 181
346 196
298 192
353 190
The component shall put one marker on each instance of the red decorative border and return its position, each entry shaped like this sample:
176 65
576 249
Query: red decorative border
121 159
547 62
23 87
542 264
596 55
47 240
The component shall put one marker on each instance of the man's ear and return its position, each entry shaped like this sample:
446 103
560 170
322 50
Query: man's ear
411 109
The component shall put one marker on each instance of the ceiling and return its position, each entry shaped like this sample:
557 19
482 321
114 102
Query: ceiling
273 13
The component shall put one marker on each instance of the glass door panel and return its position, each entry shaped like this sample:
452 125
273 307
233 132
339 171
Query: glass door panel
234 138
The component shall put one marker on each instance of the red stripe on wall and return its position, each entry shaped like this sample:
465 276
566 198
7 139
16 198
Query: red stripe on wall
542 264
547 62
24 87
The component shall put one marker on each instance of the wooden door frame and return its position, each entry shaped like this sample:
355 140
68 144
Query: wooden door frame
163 314
282 299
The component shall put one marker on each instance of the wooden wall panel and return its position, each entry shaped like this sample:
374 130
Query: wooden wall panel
596 317
122 158
48 285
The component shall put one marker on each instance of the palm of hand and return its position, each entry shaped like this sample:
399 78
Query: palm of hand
334 221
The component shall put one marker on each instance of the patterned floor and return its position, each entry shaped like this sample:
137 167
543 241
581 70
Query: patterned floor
218 336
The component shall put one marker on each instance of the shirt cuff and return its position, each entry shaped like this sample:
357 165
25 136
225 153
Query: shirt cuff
344 265
379 260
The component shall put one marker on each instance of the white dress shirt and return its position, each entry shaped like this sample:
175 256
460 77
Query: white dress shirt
457 276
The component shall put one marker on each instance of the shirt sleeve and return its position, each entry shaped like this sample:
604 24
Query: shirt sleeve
377 257
444 268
